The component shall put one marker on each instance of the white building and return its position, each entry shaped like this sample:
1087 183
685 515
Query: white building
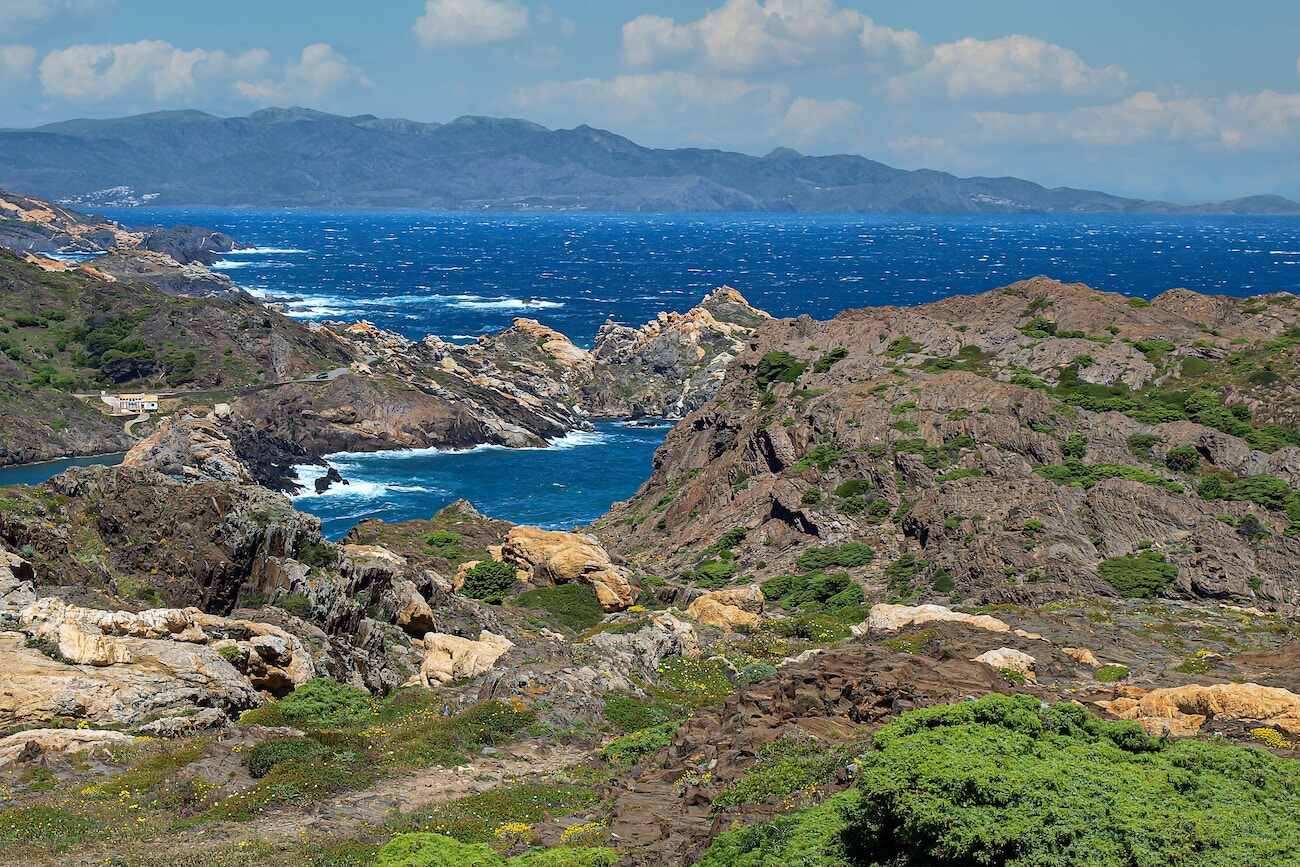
130 403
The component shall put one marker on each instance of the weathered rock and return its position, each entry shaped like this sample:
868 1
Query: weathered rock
450 657
728 610
1181 711
555 557
184 726
1082 655
41 744
1010 659
642 652
887 618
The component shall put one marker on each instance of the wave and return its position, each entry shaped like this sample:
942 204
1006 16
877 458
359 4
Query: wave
579 438
361 489
269 251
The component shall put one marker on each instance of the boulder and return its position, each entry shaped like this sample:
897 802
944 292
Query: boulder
661 637
556 557
123 668
38 744
887 618
728 610
1008 659
413 614
1083 656
1181 711
450 657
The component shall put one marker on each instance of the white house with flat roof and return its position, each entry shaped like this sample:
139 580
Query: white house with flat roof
123 404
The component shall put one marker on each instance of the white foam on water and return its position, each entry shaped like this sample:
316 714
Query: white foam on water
268 251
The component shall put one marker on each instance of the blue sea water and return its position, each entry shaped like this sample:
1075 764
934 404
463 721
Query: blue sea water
461 275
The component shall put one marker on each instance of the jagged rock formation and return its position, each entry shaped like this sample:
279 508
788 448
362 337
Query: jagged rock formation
548 557
171 260
1011 443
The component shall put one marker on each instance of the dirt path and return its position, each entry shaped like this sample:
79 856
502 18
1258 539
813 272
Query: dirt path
352 812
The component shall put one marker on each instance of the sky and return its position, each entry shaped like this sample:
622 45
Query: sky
1186 101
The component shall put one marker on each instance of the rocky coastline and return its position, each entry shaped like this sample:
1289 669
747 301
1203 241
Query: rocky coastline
1080 508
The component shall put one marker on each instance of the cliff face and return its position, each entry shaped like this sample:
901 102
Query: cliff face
1033 442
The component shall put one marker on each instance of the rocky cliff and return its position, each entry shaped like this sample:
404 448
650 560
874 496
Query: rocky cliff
1038 441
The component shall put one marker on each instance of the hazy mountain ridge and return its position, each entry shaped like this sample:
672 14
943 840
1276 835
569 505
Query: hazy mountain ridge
304 158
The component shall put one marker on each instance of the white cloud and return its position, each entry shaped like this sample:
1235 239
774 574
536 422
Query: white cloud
1237 122
320 69
16 62
17 15
96 73
807 121
448 23
1005 67
748 35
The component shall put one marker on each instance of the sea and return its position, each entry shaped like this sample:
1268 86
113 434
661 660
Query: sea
460 275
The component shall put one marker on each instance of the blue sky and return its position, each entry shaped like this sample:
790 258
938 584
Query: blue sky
1187 101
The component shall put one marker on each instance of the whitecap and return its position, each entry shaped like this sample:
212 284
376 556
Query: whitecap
269 251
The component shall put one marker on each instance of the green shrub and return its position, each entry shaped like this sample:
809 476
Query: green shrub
573 606
1076 446
489 581
779 367
807 838
1141 576
1183 459
1140 445
435 850
784 767
629 713
830 359
566 856
712 574
1111 673
848 555
261 758
1005 781
854 488
815 591
962 473
1081 475
823 456
322 703
626 750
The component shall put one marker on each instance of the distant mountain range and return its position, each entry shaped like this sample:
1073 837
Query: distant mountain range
303 158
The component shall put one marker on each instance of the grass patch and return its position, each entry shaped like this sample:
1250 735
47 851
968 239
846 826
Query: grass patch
572 607
1140 576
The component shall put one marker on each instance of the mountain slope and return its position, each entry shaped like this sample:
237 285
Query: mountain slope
298 157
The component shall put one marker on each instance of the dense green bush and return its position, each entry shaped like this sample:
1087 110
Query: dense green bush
1006 781
848 555
436 850
1075 447
783 767
830 359
1081 475
1138 577
266 755
713 574
627 749
1183 459
322 703
779 367
807 838
573 606
489 581
816 591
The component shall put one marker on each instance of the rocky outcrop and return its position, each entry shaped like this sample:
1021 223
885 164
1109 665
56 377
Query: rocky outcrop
555 557
886 617
34 745
728 610
450 657
1008 659
122 668
191 447
999 447
1182 711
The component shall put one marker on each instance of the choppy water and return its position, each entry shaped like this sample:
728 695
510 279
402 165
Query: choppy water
461 275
